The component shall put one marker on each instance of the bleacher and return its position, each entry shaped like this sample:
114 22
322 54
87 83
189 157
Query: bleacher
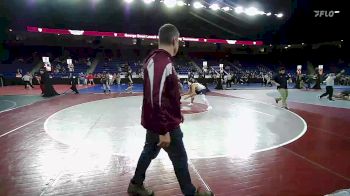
114 66
9 70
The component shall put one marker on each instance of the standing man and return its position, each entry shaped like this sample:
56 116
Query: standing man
161 115
281 81
74 82
1 80
27 81
229 80
118 78
105 83
318 79
330 84
70 69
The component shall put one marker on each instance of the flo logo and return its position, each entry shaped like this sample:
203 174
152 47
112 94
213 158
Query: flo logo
325 13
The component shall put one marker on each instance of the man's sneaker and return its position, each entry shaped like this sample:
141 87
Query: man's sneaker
285 108
276 100
203 193
209 108
139 190
331 100
319 97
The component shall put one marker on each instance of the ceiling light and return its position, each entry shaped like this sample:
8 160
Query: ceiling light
197 5
239 10
181 3
226 8
170 3
214 7
252 11
279 15
148 1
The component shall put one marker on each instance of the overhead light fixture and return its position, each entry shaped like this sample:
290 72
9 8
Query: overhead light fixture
289 46
239 10
148 1
268 14
181 3
10 30
128 1
170 3
279 15
214 7
341 40
198 5
285 47
252 11
302 43
226 8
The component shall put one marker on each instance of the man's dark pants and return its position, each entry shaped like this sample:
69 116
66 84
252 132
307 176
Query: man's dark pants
177 154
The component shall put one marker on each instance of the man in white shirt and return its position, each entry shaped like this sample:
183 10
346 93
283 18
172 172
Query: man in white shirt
330 84
70 69
27 81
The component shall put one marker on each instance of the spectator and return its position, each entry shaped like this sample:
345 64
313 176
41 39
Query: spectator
27 78
118 78
82 78
90 78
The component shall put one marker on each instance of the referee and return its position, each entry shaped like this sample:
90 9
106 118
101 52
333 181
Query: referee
280 80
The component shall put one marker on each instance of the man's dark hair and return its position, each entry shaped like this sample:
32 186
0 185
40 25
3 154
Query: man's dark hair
166 34
281 68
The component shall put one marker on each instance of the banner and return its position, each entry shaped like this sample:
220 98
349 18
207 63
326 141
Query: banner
299 67
320 69
69 61
46 59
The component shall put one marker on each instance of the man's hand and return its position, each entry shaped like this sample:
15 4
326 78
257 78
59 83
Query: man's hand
164 140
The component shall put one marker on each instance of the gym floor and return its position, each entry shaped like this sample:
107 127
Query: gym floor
88 144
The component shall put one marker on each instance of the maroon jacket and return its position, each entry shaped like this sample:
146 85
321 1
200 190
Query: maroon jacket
161 96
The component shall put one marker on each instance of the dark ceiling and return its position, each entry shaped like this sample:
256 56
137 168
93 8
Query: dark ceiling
298 25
